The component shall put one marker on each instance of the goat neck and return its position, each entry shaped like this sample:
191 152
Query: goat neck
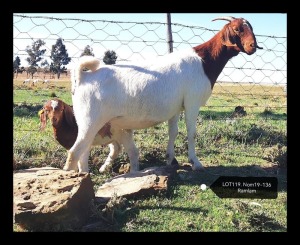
215 56
65 134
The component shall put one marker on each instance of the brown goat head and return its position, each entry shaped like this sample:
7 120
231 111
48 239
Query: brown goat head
57 112
238 33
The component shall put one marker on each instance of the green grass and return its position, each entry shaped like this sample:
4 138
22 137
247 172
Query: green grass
253 145
198 211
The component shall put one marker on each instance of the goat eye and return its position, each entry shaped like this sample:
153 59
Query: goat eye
235 29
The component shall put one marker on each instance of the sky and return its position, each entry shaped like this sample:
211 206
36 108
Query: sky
102 36
263 23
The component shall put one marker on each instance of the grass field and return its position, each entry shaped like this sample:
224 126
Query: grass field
251 145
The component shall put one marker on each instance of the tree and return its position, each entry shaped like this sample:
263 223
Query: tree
59 57
21 69
45 63
31 70
35 55
46 68
16 65
87 51
110 57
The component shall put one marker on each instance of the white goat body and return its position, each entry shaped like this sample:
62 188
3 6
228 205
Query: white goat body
135 96
139 96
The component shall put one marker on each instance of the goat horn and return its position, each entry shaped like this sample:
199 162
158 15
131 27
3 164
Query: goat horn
228 18
259 47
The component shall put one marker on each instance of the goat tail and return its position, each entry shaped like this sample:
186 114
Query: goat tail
86 63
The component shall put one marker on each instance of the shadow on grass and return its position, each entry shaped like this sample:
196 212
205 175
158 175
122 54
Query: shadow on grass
126 219
212 173
151 157
261 222
142 221
185 176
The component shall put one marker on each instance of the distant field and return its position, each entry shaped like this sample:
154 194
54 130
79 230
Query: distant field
220 87
228 94
254 144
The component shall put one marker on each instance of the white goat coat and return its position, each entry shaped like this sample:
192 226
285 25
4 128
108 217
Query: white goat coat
135 96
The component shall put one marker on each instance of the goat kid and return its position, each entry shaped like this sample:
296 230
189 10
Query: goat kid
136 96
65 130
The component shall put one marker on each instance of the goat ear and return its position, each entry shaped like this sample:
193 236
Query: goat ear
69 115
228 37
43 119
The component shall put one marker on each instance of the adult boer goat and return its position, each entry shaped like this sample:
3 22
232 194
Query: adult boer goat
65 130
136 96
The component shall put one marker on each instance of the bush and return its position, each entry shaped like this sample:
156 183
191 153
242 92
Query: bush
52 94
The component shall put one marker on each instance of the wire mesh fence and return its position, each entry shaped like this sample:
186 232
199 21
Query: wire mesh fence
257 83
134 41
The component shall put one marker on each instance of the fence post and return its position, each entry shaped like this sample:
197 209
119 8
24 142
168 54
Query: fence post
170 39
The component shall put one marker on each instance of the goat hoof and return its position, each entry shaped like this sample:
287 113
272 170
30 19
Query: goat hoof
198 168
80 173
66 168
83 170
196 165
69 168
171 162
